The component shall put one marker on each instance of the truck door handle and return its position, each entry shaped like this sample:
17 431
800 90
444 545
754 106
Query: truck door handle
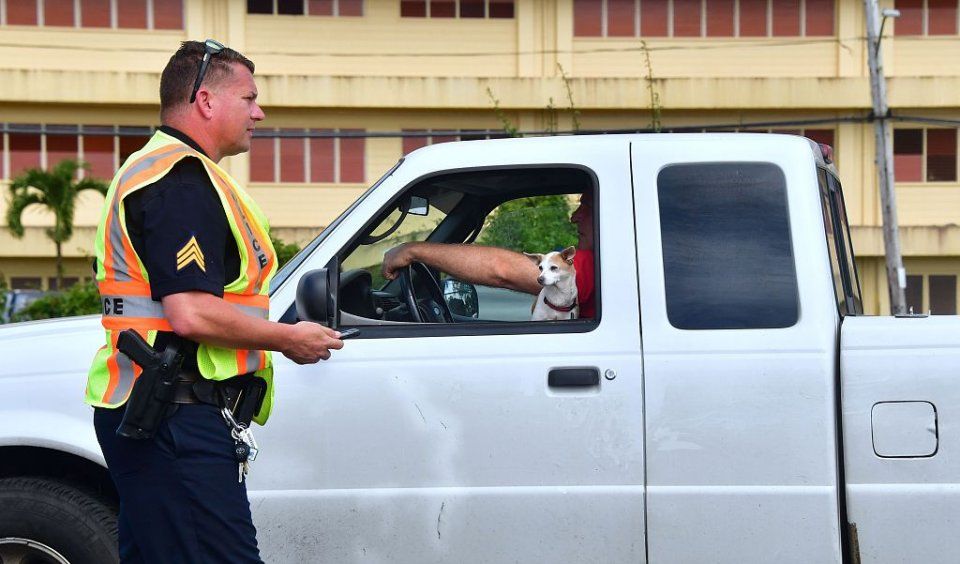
583 377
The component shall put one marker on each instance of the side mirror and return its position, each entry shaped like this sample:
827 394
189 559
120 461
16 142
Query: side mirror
317 295
461 298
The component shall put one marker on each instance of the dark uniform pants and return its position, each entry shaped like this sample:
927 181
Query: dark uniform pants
180 500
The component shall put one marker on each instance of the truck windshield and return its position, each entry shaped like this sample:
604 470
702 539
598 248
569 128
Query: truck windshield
396 228
298 259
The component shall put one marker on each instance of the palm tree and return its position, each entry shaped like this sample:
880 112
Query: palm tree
57 191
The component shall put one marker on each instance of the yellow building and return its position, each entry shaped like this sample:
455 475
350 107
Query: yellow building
80 78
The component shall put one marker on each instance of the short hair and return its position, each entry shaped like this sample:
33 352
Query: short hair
176 81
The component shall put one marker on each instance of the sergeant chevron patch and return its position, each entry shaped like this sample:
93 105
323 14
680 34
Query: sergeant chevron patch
191 253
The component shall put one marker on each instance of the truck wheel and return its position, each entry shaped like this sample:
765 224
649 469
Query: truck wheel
43 521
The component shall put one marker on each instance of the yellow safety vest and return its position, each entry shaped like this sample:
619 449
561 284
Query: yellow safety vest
125 287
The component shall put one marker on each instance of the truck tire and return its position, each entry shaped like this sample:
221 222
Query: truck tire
45 521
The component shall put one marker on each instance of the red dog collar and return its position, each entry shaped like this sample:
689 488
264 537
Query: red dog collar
562 309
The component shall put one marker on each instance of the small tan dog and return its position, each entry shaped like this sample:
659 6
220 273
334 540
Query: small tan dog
558 298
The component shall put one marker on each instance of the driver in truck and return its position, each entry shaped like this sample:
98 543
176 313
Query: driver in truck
502 268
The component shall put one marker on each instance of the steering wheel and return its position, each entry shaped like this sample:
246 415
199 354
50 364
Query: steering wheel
437 309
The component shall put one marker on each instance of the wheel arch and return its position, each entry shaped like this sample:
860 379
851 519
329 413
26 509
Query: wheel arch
36 461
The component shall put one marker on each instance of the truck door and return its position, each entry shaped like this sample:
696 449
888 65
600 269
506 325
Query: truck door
739 351
474 441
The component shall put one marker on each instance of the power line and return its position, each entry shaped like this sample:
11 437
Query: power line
933 121
714 43
735 43
305 133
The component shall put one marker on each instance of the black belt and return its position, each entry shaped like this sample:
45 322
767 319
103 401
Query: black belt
243 395
193 388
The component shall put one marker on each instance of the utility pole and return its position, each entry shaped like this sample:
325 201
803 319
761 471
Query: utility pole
896 275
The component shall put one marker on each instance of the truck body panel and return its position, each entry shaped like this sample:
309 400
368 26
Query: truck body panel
901 404
712 432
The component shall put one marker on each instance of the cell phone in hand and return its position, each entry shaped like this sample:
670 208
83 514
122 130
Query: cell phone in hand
347 333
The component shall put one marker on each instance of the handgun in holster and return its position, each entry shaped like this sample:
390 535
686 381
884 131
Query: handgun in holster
153 391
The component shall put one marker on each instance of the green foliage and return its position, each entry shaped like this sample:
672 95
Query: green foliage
550 113
508 126
285 251
655 106
536 225
56 190
572 108
4 289
80 299
84 299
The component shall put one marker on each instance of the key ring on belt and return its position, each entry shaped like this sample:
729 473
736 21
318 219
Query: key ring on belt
240 432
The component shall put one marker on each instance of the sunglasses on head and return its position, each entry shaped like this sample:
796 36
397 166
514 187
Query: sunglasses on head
210 48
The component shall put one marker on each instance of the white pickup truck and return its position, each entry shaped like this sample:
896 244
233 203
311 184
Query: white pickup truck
729 402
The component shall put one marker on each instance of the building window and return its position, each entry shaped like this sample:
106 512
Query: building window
925 155
494 9
59 13
26 283
99 151
914 293
167 14
943 294
941 291
108 14
23 149
293 156
926 17
132 14
21 12
62 143
68 282
104 148
131 140
704 18
306 7
96 13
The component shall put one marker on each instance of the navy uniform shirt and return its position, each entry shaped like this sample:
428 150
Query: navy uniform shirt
179 230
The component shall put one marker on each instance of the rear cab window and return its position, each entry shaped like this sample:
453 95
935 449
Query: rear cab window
727 255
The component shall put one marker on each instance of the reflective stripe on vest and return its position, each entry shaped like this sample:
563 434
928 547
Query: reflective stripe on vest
125 290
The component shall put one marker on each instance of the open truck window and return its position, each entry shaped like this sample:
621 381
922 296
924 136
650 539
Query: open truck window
524 209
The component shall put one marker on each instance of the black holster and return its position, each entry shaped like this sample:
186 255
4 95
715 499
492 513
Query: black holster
242 395
251 399
153 392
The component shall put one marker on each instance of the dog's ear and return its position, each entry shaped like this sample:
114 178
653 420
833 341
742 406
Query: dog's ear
567 254
535 257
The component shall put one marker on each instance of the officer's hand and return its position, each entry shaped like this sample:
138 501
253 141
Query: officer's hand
395 259
311 342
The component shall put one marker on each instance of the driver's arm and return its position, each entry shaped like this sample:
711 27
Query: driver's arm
476 264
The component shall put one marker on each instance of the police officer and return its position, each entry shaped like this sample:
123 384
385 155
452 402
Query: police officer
182 252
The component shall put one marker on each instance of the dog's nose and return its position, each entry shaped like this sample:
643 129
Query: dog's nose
540 279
